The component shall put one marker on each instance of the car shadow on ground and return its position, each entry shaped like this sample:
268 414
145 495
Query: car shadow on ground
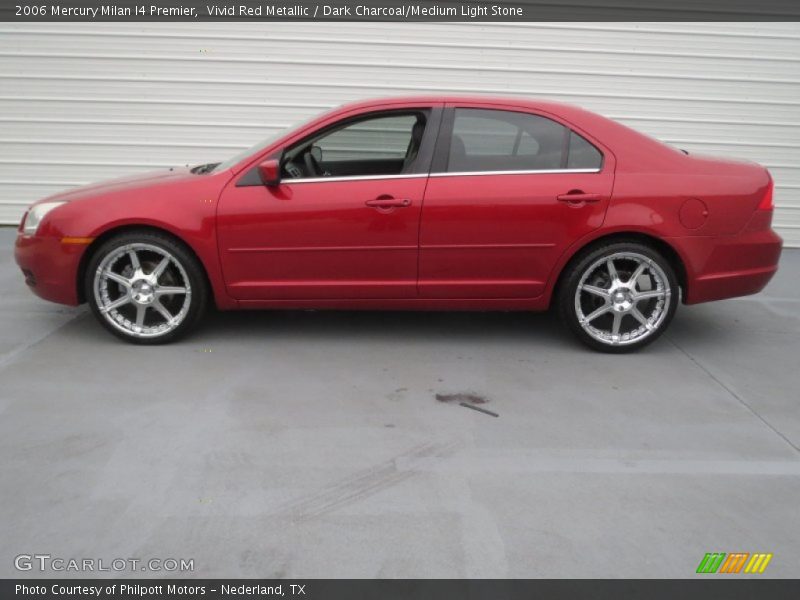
398 325
540 329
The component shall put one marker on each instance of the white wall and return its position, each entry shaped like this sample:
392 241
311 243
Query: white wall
87 101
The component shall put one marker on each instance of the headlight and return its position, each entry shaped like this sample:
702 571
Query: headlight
35 216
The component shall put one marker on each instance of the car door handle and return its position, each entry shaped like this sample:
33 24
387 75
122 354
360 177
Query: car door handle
388 202
578 197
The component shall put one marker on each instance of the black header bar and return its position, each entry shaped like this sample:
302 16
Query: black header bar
730 588
399 10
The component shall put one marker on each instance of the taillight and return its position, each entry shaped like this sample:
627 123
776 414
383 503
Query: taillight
766 202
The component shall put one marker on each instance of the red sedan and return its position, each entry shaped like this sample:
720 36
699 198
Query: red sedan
434 203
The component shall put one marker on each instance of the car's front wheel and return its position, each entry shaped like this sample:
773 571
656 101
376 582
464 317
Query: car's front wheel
146 287
619 297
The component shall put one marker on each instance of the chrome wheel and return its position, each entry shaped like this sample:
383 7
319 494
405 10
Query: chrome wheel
622 298
142 290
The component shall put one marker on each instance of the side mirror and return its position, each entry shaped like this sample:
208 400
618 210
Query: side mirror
270 171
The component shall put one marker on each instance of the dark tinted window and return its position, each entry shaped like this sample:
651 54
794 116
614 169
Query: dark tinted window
382 144
381 137
582 155
497 140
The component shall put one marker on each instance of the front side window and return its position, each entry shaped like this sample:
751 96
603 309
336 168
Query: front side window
498 140
386 144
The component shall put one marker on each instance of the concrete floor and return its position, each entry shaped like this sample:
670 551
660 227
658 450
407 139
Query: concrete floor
312 445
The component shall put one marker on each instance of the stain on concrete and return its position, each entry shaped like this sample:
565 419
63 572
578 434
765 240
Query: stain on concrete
362 484
459 397
398 394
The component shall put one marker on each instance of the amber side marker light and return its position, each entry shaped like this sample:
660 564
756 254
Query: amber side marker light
77 240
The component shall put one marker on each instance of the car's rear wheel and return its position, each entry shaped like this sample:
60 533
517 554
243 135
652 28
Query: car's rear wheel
146 287
619 297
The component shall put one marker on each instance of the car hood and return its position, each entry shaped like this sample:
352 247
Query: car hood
123 184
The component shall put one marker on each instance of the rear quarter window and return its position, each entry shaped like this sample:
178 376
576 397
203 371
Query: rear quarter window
582 154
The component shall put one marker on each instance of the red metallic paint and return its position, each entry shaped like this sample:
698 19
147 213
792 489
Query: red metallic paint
320 240
463 242
465 253
175 201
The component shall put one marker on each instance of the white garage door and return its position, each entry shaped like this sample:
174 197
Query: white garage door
88 101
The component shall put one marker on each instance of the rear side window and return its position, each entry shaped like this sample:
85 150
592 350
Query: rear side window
498 140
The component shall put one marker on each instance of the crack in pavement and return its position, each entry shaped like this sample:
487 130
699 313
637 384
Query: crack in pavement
736 396
12 355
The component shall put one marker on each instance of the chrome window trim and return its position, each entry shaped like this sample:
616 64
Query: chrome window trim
288 181
525 172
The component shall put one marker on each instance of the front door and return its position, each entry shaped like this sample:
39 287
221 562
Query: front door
344 221
509 192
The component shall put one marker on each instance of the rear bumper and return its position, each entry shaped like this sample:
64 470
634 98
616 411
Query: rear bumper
719 286
50 268
731 266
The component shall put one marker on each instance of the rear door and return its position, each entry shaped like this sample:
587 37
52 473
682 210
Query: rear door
509 191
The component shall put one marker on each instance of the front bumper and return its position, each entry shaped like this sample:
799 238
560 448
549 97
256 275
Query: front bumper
731 266
50 267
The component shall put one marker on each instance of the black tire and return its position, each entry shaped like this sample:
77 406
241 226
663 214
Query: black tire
626 252
183 264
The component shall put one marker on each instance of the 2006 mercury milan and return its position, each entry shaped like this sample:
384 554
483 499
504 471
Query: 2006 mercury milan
416 203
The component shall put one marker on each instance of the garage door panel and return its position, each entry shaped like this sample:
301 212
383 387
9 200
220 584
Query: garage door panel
131 98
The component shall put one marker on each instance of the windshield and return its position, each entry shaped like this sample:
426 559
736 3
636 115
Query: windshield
240 156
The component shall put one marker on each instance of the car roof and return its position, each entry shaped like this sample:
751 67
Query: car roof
537 103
